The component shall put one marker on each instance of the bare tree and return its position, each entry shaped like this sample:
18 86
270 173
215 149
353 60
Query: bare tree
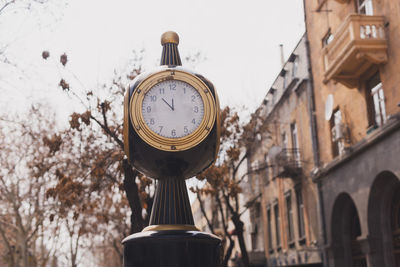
102 118
24 178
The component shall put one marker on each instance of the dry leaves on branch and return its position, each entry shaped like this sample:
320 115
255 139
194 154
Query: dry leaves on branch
64 59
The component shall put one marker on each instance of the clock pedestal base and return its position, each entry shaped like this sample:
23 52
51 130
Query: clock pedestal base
172 248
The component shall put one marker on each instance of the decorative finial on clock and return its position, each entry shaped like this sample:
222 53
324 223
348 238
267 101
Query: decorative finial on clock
169 37
170 54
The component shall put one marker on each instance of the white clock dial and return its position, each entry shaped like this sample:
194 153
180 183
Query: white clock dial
173 109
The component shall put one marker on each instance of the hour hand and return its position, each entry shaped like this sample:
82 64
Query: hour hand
172 107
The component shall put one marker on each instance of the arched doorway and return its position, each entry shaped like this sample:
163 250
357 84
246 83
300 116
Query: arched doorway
384 220
357 256
346 249
395 223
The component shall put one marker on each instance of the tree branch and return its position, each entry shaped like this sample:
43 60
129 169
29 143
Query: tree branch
203 211
109 132
103 112
221 210
250 203
131 190
6 5
236 168
254 171
228 252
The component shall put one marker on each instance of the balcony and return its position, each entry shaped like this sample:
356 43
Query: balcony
359 44
287 163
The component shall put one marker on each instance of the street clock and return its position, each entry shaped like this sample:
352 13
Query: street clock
171 133
171 119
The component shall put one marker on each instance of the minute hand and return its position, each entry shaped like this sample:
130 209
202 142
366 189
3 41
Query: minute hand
172 107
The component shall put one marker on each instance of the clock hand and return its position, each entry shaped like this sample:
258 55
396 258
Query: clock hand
172 107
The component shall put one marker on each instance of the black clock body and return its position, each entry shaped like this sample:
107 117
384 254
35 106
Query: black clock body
159 164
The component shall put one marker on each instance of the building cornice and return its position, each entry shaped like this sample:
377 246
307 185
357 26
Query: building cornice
392 125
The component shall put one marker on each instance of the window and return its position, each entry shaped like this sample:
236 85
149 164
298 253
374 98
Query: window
254 236
269 229
254 169
284 141
277 225
375 102
300 215
364 7
337 132
285 81
295 144
289 215
284 76
273 92
295 66
267 169
328 38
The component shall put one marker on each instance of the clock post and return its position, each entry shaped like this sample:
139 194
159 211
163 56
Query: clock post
171 133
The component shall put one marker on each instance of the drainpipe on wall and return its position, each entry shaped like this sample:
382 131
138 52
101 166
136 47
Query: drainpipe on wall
315 147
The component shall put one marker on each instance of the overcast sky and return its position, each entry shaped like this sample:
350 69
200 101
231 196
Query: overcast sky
238 39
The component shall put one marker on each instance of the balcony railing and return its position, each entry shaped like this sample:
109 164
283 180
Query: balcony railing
358 44
288 163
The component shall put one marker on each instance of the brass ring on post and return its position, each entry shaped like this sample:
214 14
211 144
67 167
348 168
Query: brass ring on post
126 125
169 227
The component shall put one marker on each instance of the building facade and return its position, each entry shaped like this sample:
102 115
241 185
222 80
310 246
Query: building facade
249 207
355 60
284 155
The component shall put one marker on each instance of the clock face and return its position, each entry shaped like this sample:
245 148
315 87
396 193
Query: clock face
172 109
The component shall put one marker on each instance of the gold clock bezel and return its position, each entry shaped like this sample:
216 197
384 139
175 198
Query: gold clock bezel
161 142
126 124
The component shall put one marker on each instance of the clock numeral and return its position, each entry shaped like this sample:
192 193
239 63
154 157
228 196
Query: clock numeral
152 121
161 127
173 132
184 90
196 109
162 91
148 109
193 98
185 129
153 98
172 86
194 121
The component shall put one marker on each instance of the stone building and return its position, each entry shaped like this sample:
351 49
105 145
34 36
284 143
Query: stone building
355 61
284 155
249 207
